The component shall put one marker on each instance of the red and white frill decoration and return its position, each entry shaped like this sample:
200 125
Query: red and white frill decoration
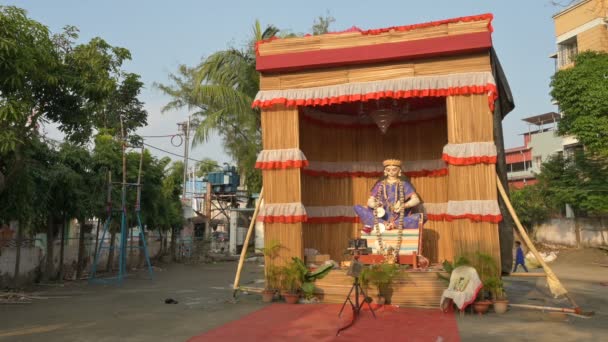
374 169
332 214
282 213
475 210
400 88
281 159
470 153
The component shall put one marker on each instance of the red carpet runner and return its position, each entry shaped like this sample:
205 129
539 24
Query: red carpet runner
320 322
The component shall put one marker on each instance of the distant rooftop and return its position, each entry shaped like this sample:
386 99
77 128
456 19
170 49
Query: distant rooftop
517 149
570 7
542 119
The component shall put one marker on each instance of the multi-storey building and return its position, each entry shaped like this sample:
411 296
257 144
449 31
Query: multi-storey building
580 27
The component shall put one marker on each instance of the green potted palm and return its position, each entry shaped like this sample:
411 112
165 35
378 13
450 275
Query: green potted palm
290 283
271 272
486 269
381 276
496 286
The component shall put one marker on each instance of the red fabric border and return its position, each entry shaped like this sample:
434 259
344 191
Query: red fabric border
345 174
469 302
385 52
287 164
283 219
468 160
472 217
475 217
489 89
403 28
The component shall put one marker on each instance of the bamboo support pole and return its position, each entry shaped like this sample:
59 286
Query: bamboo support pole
527 275
554 284
548 308
239 268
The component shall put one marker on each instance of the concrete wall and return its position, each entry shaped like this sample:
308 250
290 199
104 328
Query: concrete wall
581 232
544 145
34 256
29 260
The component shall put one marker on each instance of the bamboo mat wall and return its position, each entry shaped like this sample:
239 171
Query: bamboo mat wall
470 120
376 72
280 129
417 141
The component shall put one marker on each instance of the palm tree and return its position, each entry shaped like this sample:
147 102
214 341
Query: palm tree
220 91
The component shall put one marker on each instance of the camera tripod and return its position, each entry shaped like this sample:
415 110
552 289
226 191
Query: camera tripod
356 306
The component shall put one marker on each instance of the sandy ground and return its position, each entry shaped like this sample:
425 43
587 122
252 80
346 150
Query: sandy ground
579 274
135 311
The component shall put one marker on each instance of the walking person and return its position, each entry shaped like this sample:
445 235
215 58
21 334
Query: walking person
519 258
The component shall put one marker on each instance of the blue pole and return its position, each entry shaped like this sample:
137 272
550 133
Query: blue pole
99 248
142 236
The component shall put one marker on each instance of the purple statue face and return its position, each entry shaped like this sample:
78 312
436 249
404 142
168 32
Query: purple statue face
392 171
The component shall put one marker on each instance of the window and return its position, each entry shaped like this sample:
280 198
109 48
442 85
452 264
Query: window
538 160
566 51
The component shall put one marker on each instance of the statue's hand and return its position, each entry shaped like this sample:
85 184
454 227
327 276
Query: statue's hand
372 203
397 206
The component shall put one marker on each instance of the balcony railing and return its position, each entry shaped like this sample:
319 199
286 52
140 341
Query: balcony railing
521 174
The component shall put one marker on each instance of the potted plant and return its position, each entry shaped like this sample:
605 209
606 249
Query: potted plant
271 272
486 268
381 276
290 283
500 301
296 277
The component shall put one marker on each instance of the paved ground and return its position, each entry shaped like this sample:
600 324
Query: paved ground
136 310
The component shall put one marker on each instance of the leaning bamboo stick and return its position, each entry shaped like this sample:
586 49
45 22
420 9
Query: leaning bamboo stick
548 308
239 268
554 284
528 275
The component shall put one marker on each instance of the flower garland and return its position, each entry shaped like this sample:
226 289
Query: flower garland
383 193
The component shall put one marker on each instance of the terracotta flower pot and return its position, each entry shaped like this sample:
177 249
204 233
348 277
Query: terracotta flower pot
482 306
291 298
500 306
268 296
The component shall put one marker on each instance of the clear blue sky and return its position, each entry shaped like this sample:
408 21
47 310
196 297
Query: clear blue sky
163 34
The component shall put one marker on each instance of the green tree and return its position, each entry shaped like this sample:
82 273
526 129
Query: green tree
580 181
582 95
207 165
530 205
322 23
220 90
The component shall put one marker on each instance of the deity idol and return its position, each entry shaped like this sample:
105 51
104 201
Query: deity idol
390 203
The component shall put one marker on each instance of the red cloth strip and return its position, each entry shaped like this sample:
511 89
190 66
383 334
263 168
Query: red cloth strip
396 51
469 160
287 164
475 217
283 219
472 217
489 89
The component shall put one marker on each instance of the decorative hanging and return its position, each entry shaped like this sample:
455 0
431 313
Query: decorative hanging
383 118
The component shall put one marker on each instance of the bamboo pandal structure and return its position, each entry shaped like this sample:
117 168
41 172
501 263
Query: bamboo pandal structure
317 95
